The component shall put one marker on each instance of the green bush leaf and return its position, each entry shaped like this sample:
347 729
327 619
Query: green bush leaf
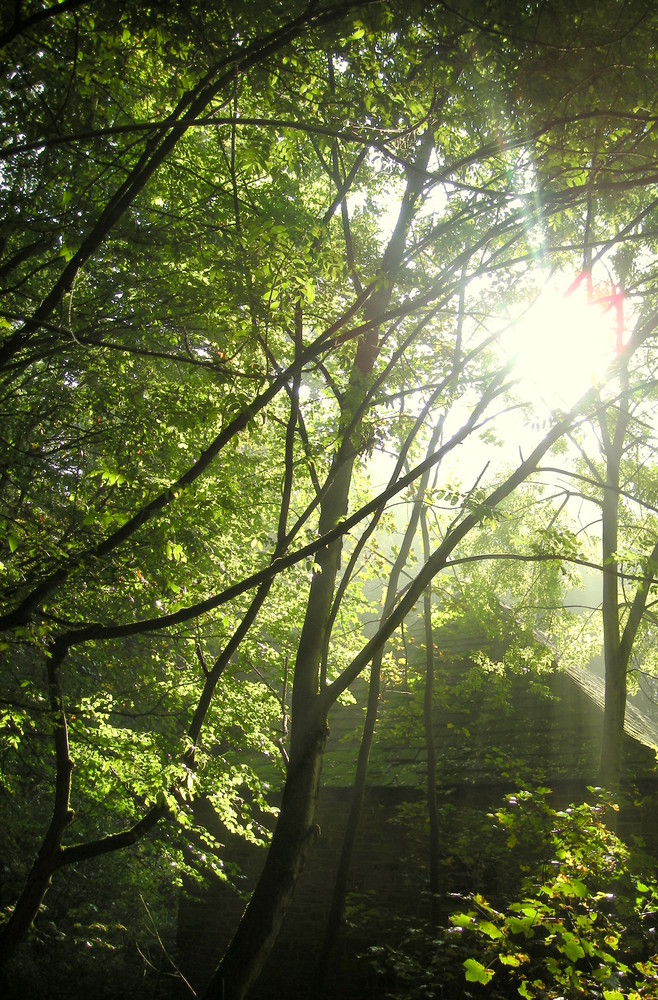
476 972
514 961
571 947
486 927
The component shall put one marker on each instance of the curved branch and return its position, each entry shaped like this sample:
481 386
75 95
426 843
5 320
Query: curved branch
22 612
74 853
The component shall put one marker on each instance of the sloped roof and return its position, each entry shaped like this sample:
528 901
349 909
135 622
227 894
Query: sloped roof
488 728
637 724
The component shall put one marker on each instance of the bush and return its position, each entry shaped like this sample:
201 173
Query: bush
578 920
584 925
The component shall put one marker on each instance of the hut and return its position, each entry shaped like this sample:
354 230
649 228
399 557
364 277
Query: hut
494 732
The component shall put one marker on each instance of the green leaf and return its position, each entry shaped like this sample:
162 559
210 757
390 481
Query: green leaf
476 972
493 932
514 961
175 552
571 947
579 889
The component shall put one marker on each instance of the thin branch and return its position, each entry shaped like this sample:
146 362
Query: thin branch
98 632
160 144
637 607
440 556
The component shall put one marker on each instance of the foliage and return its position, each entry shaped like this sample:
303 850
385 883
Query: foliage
570 912
247 254
584 922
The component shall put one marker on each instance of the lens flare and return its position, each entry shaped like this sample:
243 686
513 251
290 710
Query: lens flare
565 342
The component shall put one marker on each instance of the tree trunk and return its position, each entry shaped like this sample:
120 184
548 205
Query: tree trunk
295 831
428 719
294 835
618 643
615 668
27 906
613 722
337 907
615 659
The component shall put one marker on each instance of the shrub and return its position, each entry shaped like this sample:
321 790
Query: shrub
584 925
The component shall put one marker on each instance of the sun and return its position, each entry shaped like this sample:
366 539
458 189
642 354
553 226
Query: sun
564 343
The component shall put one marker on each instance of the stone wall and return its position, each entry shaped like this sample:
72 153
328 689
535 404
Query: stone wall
388 889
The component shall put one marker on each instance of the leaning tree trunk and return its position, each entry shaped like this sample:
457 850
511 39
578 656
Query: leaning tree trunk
294 836
47 860
295 831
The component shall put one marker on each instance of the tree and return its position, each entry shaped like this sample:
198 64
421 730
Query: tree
610 479
616 482
211 328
